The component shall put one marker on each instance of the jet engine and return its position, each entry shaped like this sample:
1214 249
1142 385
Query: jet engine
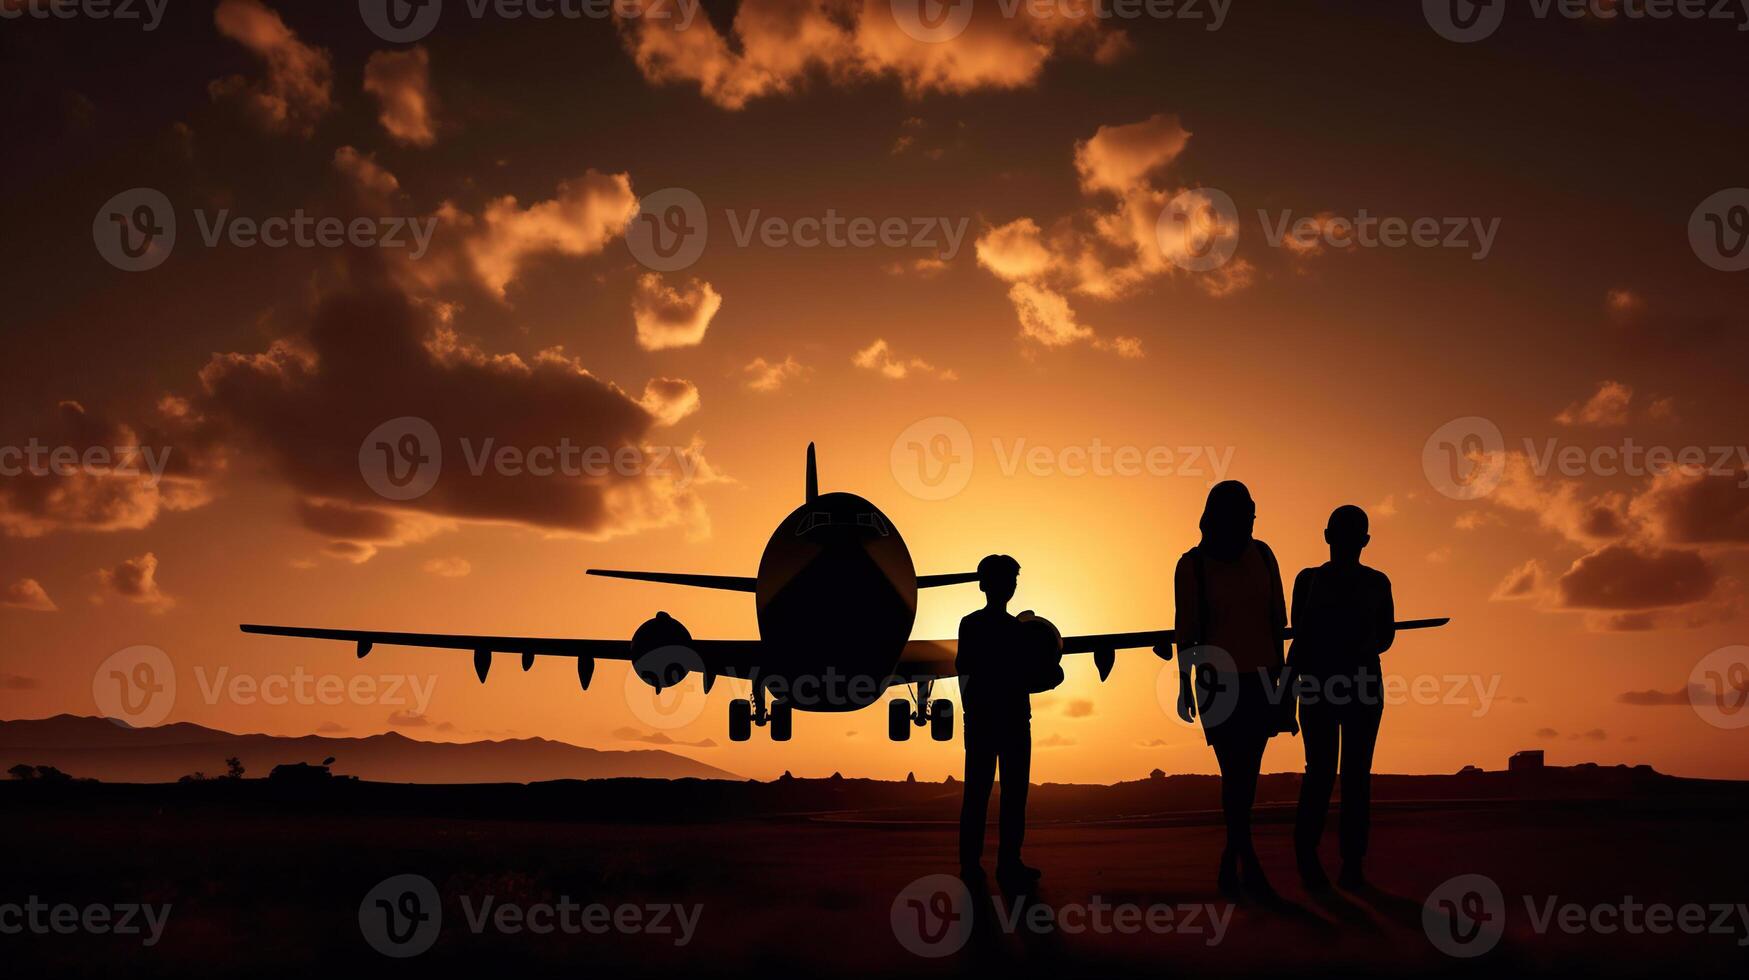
662 652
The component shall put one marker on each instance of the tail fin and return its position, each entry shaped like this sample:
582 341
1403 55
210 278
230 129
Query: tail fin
813 475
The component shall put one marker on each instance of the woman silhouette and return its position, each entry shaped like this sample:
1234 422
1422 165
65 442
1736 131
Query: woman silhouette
1230 618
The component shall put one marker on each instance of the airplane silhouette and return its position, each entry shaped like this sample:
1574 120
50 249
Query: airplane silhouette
836 597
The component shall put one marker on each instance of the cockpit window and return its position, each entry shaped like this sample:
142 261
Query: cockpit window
818 518
874 520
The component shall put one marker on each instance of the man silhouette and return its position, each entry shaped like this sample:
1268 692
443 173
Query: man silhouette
1343 619
998 724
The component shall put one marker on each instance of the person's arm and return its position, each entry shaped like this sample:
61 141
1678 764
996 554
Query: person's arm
965 658
1188 631
1301 603
1387 612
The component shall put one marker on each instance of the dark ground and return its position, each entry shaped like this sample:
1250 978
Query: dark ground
802 878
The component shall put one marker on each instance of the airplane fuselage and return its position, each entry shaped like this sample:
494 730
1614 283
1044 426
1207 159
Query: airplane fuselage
836 600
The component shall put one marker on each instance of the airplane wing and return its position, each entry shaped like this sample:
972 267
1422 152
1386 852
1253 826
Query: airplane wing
933 659
719 658
727 583
743 583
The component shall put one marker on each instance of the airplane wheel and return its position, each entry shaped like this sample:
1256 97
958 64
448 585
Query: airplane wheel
740 720
941 721
899 720
781 715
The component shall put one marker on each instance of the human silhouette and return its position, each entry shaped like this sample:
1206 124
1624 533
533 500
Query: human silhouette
998 724
1343 619
1229 622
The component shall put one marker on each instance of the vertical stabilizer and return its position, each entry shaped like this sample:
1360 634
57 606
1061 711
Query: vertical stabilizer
813 475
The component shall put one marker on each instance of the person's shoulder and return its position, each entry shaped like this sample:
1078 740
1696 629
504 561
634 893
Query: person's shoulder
1306 576
1374 577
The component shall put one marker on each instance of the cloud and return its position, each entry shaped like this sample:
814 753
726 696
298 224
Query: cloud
401 82
1595 735
27 593
97 474
764 375
1562 506
927 267
580 219
1685 696
371 354
448 567
19 682
408 719
668 400
1522 582
1622 577
1119 159
1695 506
297 89
367 178
1114 247
668 317
136 580
1045 317
359 531
1078 708
1623 303
660 738
1053 741
1608 406
879 357
1546 733
774 47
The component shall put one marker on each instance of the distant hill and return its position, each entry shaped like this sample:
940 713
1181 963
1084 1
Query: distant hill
104 749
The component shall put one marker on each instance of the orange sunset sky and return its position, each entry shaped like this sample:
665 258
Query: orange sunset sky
1055 310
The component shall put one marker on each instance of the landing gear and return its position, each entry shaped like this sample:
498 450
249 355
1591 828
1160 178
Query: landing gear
740 720
938 715
941 721
744 714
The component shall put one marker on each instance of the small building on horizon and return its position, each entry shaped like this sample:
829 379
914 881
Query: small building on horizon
1529 760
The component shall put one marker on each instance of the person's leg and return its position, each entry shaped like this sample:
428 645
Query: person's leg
1321 735
975 804
1239 774
1360 733
1016 772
